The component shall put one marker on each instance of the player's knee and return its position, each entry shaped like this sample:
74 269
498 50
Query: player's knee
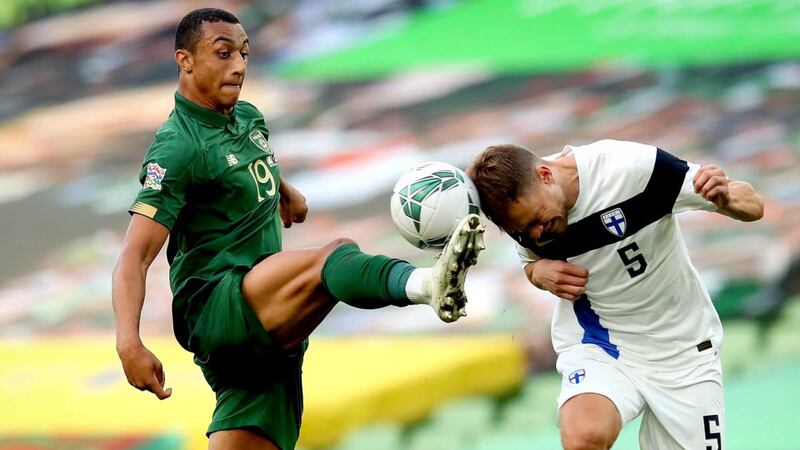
585 438
324 252
338 242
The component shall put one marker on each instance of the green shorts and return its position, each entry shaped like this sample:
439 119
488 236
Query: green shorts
257 385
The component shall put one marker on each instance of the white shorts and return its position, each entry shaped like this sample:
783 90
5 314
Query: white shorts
683 408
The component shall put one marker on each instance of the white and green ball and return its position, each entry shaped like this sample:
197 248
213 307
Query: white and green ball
429 201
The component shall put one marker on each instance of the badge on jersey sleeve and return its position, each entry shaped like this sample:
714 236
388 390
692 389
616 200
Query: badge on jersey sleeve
155 174
614 221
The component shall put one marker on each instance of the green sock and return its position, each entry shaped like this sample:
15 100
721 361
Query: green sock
366 281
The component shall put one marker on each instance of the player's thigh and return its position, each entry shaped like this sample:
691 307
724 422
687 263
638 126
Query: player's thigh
239 439
596 398
687 409
285 290
287 275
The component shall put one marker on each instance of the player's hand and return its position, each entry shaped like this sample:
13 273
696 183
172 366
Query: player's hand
560 278
293 207
143 370
712 183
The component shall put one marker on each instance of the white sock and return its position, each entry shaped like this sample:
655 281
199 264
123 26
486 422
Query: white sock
416 289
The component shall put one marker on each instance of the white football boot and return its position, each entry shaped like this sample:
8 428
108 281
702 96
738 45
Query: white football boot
445 281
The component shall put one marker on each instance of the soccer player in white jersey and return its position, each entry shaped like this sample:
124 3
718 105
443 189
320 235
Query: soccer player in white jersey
635 331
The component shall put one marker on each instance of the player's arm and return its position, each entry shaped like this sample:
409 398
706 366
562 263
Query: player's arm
293 204
143 241
560 278
736 199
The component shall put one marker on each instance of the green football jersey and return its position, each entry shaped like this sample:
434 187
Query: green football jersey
213 180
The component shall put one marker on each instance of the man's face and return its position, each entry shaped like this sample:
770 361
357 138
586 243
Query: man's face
220 63
537 214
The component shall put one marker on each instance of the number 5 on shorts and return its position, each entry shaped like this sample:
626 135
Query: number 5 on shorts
712 436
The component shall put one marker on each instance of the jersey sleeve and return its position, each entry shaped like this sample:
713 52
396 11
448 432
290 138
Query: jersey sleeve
166 176
526 256
688 199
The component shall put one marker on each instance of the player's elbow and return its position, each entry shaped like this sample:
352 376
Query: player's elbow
585 439
131 258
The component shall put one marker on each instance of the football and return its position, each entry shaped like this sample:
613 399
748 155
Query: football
429 201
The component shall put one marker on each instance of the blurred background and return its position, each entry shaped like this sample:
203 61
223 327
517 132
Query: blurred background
355 92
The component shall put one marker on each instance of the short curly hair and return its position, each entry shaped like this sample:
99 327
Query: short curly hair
189 30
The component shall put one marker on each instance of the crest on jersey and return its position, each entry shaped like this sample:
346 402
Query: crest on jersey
261 142
155 173
614 221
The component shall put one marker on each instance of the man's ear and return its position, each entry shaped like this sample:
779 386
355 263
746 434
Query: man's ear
184 60
544 174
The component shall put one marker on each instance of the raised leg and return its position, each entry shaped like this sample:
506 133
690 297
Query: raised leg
286 292
589 422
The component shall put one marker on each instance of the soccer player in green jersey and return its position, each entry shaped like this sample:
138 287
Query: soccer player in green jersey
242 305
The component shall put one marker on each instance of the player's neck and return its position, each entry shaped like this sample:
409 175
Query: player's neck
190 92
569 179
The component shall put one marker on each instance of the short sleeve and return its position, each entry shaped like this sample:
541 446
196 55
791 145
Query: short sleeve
166 175
688 199
526 256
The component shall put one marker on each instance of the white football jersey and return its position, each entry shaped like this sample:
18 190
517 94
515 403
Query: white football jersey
644 302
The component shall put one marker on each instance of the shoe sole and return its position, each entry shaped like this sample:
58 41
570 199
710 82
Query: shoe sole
462 252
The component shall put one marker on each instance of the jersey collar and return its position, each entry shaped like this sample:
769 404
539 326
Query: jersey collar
204 115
